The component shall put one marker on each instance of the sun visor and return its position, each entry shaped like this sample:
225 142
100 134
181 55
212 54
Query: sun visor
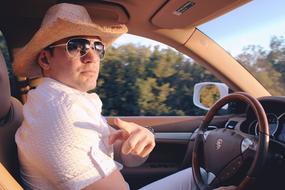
185 13
107 13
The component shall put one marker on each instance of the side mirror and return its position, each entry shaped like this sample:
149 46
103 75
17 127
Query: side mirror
207 93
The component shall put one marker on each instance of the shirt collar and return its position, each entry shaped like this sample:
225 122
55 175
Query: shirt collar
64 87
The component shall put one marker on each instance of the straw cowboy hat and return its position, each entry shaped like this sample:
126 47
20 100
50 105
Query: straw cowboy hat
61 21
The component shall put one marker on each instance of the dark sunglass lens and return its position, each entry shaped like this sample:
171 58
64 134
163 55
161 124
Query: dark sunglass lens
99 47
78 47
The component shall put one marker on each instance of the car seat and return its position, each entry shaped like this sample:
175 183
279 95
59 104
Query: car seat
11 117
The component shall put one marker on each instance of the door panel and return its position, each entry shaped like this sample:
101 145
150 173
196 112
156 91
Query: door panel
172 135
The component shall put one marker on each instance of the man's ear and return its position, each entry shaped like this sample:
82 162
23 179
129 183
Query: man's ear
43 60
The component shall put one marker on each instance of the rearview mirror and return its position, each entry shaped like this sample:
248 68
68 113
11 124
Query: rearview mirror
208 93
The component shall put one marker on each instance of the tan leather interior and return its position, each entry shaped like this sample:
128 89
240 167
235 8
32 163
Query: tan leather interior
11 117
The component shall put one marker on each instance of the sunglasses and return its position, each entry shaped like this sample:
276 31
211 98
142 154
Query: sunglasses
79 47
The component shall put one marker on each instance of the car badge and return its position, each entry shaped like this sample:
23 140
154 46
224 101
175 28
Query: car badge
219 144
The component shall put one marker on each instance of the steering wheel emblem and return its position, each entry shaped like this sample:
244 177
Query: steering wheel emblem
219 144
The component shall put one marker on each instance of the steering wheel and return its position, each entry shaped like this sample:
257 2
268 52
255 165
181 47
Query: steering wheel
225 151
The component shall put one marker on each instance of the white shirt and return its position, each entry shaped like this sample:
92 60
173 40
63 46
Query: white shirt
63 140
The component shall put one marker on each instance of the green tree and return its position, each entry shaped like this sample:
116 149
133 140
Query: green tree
139 80
266 66
117 84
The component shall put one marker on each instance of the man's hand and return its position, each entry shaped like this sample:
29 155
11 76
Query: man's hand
136 139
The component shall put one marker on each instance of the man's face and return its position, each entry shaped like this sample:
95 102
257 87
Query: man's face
79 72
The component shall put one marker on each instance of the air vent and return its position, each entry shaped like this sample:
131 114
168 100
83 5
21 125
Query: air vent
231 124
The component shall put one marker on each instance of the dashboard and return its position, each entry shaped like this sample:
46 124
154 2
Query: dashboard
274 108
276 126
273 171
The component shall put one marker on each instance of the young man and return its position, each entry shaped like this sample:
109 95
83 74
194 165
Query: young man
64 142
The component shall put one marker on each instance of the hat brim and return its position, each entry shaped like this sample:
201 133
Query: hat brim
24 63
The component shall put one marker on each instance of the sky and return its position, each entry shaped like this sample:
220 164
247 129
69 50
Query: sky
254 23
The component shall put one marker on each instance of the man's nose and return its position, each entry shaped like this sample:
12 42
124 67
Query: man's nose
91 57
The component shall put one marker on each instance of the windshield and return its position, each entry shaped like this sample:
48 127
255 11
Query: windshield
254 35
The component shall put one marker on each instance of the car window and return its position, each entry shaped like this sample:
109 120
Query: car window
255 35
139 79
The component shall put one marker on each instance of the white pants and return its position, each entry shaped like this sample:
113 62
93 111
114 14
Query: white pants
182 180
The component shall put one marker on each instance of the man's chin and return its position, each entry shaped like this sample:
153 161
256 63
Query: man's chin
88 87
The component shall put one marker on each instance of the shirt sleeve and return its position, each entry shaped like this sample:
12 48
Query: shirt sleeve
66 140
